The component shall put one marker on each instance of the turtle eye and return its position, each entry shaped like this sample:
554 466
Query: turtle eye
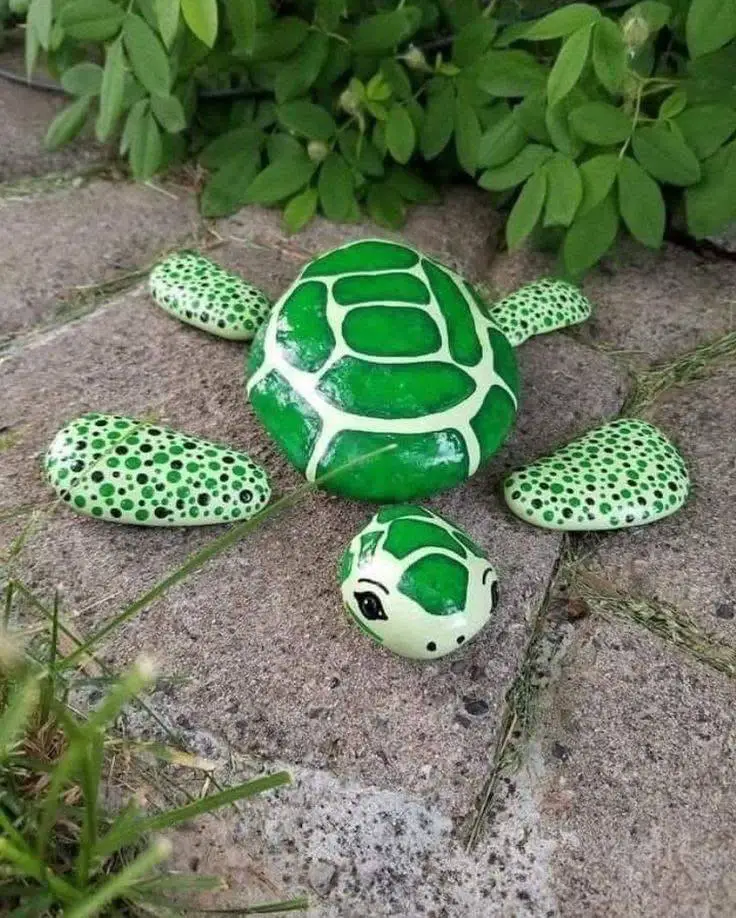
370 606
494 593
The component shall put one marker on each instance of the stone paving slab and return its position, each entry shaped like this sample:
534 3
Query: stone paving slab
634 774
25 115
85 235
688 559
652 304
272 663
461 231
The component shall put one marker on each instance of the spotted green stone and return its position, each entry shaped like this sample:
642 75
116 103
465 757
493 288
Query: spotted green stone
202 293
540 307
129 471
625 473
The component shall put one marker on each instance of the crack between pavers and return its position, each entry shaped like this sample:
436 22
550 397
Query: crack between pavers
53 182
520 707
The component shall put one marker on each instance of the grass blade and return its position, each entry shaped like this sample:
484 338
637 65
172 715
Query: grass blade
31 866
18 710
265 908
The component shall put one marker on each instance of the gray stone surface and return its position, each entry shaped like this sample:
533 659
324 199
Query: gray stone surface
25 115
269 659
652 305
55 243
461 231
687 560
634 775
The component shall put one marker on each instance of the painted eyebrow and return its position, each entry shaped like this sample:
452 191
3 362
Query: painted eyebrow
374 582
486 572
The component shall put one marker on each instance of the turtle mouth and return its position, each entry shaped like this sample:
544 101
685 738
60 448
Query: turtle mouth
362 625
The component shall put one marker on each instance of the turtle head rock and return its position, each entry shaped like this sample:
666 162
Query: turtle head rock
416 584
540 307
375 344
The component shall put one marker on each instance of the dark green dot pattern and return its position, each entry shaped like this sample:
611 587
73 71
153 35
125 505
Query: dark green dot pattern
128 471
538 308
201 293
625 473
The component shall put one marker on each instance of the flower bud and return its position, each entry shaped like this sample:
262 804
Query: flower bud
415 59
349 102
635 32
317 150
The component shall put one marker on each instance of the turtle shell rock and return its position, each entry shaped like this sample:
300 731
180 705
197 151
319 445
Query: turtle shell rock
376 345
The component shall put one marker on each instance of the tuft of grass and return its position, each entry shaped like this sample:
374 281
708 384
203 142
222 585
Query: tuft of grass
61 851
699 363
660 618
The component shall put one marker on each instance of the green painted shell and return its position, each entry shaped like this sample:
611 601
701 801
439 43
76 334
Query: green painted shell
540 307
623 474
201 293
417 584
374 345
129 471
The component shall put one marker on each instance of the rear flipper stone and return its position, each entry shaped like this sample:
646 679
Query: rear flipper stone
623 474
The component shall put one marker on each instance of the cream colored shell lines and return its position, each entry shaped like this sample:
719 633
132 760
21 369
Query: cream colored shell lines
335 419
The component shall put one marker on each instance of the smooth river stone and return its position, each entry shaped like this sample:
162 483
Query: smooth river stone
417 584
625 473
129 471
373 345
538 308
203 294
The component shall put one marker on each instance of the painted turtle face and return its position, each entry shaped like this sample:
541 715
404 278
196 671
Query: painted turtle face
416 584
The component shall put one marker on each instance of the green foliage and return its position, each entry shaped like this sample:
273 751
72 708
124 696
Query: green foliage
622 110
61 850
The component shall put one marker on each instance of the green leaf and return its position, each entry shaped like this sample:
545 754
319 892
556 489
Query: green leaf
557 120
385 206
438 125
112 90
472 40
145 148
562 22
565 190
509 73
83 79
169 113
501 142
400 134
609 55
706 127
67 124
298 74
167 17
598 175
300 210
281 179
531 116
655 14
31 50
395 75
641 204
569 65
525 212
467 134
672 106
411 187
201 17
279 39
711 204
519 168
590 237
360 153
280 146
600 123
385 31
710 25
227 189
227 146
307 119
135 115
147 56
91 20
39 18
328 13
241 16
335 186
665 155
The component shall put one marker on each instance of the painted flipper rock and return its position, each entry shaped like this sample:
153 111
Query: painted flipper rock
129 471
625 473
417 584
202 293
540 307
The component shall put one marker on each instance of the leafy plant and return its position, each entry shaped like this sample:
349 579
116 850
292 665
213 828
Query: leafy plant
584 122
61 851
